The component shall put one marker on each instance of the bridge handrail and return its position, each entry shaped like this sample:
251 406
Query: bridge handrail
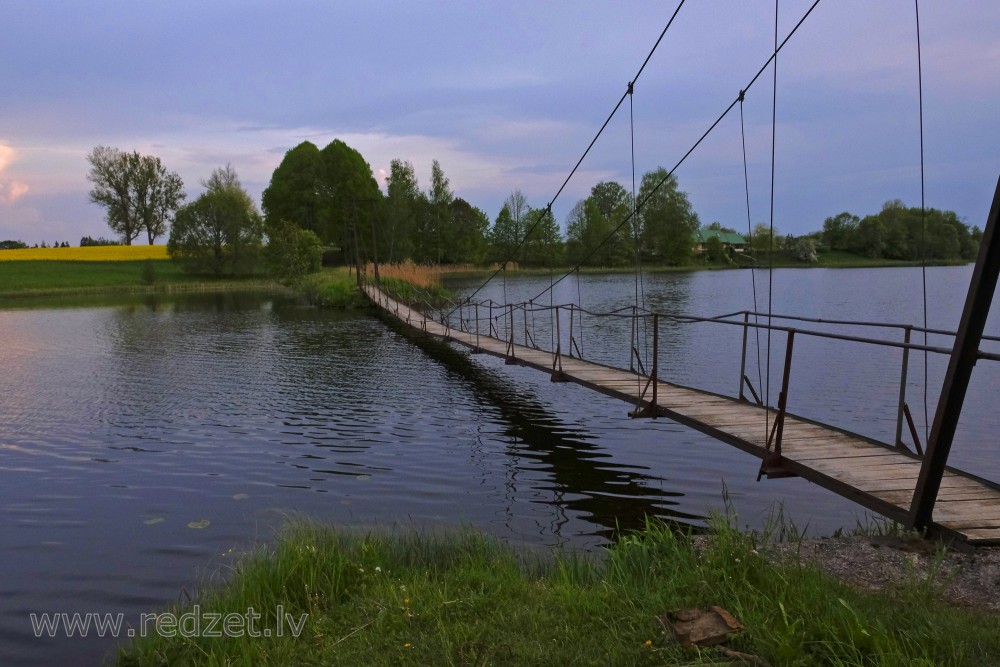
632 312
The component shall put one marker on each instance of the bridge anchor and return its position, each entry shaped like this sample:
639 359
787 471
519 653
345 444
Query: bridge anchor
773 468
645 412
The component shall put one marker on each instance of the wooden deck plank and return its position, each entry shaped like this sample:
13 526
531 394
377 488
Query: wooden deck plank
847 464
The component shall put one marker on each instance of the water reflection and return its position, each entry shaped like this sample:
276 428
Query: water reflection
585 478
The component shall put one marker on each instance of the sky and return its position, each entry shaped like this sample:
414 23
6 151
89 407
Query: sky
506 96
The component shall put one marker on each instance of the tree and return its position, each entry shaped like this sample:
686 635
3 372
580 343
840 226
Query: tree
12 245
400 207
805 249
294 194
330 192
137 191
715 249
509 228
437 226
764 238
220 232
503 236
292 253
350 195
666 218
544 246
468 234
839 230
576 224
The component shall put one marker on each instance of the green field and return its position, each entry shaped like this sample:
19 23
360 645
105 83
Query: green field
39 278
465 599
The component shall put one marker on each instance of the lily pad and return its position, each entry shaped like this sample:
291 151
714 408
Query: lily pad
240 496
154 521
198 525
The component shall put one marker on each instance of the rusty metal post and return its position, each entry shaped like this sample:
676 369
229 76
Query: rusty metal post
783 396
656 354
743 357
902 387
556 358
633 339
572 307
511 359
982 287
557 368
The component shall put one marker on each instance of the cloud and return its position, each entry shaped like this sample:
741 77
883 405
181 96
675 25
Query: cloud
11 192
7 155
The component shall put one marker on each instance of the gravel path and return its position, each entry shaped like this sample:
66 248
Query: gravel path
876 563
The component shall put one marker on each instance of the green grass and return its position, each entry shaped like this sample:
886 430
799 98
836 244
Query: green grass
333 288
465 599
42 278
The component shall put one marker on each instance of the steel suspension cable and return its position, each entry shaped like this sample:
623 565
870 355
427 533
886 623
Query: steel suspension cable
640 291
697 143
923 210
770 235
593 141
753 270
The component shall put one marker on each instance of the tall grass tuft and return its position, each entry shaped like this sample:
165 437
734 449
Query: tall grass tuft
428 275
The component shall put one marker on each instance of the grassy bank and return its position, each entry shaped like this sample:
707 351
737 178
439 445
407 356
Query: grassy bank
43 278
333 287
379 599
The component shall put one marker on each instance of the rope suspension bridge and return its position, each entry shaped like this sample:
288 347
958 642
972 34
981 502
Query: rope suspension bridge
916 488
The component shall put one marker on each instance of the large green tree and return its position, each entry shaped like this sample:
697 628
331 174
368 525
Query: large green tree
296 192
598 229
839 229
666 218
351 195
330 192
467 240
220 232
137 191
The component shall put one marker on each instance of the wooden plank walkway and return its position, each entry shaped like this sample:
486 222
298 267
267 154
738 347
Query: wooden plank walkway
875 475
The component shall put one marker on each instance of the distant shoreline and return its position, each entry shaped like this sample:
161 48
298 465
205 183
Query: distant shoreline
21 281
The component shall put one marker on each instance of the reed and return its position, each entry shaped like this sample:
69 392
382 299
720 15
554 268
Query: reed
429 275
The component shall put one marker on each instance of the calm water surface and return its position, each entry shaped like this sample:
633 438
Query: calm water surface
121 425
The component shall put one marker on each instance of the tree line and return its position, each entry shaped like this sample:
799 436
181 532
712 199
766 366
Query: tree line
326 203
898 232
332 193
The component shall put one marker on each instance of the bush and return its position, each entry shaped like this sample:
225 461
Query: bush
292 253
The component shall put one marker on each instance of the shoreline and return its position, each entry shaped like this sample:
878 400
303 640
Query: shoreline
331 287
394 596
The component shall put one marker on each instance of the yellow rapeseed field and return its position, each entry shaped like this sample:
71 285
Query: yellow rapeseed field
100 253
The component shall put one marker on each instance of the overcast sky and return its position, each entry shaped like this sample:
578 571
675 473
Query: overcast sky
506 95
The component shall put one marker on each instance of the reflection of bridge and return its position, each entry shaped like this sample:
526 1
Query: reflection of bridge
916 489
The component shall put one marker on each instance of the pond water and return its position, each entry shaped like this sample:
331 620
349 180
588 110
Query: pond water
145 444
